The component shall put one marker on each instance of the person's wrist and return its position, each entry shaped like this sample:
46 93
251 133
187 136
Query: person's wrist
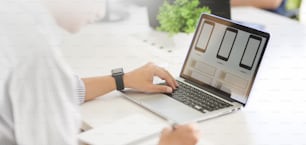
127 80
118 74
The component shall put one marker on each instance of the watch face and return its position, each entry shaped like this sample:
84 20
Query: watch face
117 71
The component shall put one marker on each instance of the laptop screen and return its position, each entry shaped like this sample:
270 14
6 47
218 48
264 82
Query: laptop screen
225 56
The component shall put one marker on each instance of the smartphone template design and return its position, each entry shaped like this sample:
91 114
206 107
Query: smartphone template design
204 36
250 52
227 43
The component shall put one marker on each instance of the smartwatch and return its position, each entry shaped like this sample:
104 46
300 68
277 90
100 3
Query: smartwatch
117 74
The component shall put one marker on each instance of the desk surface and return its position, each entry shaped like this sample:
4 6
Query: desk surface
276 110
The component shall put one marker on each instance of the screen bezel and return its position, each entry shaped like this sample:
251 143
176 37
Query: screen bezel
232 24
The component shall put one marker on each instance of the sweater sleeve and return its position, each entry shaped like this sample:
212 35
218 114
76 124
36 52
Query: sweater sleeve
81 91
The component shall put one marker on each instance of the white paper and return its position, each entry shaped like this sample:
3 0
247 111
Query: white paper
135 129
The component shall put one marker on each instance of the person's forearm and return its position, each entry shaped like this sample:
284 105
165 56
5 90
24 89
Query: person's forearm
140 79
265 4
98 86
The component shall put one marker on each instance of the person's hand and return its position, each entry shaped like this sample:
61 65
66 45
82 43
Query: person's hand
141 79
181 135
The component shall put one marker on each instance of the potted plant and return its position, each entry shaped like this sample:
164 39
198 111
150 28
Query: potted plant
153 10
174 17
180 16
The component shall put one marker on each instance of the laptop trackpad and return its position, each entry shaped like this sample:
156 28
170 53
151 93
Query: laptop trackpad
167 107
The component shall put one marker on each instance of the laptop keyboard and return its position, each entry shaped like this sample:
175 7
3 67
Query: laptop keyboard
197 99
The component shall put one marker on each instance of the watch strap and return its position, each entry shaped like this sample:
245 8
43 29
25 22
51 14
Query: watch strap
119 82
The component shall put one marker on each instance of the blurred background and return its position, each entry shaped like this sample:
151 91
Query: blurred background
117 9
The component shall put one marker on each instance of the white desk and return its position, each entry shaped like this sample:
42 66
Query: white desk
275 113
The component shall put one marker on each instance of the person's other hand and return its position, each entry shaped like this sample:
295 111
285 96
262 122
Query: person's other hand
141 79
181 135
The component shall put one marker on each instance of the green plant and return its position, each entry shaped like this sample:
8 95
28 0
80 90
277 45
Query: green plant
180 16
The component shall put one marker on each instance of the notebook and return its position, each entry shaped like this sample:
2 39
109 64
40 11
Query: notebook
131 130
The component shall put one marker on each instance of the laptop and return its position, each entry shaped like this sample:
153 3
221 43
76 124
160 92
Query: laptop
217 75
